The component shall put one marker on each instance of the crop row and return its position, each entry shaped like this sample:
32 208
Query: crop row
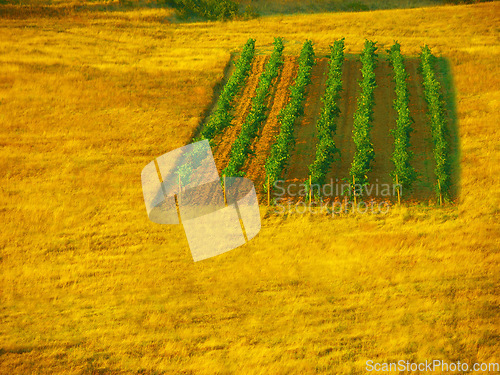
432 91
363 117
242 145
280 151
404 174
222 116
327 122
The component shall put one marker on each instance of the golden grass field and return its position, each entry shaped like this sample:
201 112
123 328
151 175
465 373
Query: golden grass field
90 286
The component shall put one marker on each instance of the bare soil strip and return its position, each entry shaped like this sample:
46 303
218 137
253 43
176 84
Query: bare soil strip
304 151
262 145
384 119
244 99
343 137
420 138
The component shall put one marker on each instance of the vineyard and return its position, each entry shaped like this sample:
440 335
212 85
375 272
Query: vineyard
341 120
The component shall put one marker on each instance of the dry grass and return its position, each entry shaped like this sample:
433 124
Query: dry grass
157 10
314 6
89 285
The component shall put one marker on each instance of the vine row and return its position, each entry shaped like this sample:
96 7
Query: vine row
403 174
363 117
280 151
433 97
241 148
327 123
222 116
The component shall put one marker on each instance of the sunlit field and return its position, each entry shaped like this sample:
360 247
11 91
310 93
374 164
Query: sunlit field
90 286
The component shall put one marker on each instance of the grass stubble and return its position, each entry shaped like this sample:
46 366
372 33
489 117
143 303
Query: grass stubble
89 285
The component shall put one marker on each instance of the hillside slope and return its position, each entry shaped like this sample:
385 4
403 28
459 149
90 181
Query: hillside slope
89 285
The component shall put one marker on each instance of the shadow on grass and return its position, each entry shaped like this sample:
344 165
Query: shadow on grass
217 89
270 8
21 9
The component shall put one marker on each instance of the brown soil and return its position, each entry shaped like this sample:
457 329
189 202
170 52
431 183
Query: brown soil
262 145
343 137
225 141
384 119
